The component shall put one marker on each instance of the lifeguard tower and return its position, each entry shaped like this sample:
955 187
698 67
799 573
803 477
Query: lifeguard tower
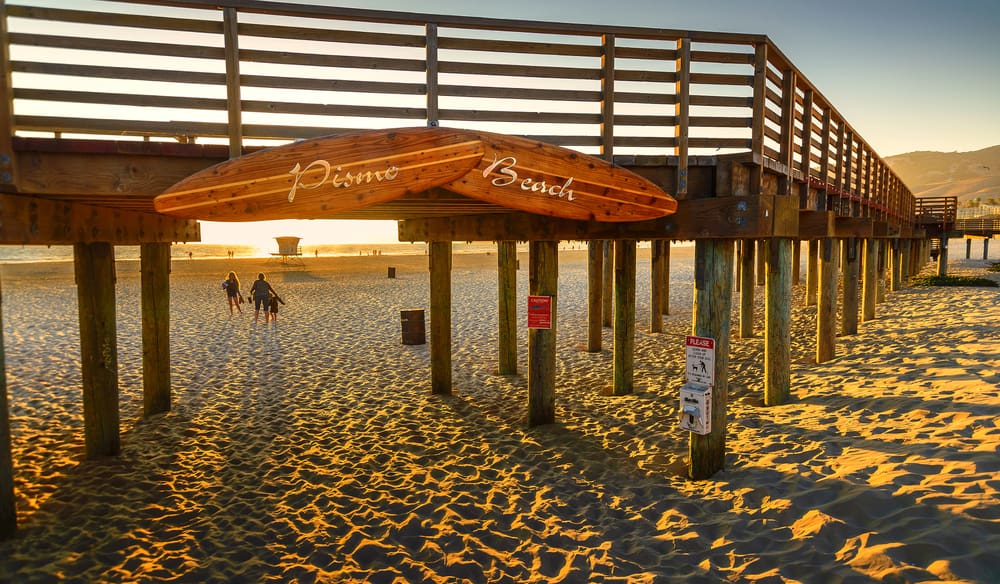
289 252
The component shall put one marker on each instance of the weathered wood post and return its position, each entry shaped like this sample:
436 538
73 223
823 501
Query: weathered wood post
8 509
656 286
607 314
624 348
826 310
778 316
154 264
895 269
905 263
713 284
986 248
595 294
95 284
665 258
440 268
761 256
543 280
747 278
812 272
796 262
942 267
851 267
883 255
968 248
870 280
507 296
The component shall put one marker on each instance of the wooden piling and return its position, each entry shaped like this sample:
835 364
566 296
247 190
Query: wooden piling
796 261
8 509
895 271
761 255
712 305
154 265
624 331
543 280
778 319
812 272
595 294
904 263
851 268
747 279
95 283
883 257
507 306
826 311
656 286
942 266
440 268
869 280
968 248
665 296
986 249
607 318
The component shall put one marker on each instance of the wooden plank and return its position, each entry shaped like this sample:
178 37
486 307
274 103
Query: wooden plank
607 284
657 278
507 307
722 57
624 329
645 76
440 302
233 101
154 265
433 115
816 224
9 175
543 280
869 287
778 322
537 117
125 73
308 179
504 70
519 47
94 265
8 507
353 37
647 53
747 265
722 79
826 312
851 270
540 178
607 116
682 111
333 61
519 93
105 18
712 299
761 258
80 43
30 220
759 110
722 101
860 227
595 294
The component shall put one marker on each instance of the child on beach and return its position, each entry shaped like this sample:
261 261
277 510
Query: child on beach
261 292
273 307
232 287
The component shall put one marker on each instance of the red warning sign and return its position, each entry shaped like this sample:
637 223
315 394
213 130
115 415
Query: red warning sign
539 312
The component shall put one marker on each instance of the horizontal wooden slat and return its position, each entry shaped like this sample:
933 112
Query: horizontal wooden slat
516 116
647 76
340 85
647 120
773 76
772 116
120 99
722 57
112 19
721 101
123 73
773 97
734 143
772 133
648 54
518 93
462 68
339 61
116 46
645 141
355 37
646 98
720 122
721 79
334 109
520 47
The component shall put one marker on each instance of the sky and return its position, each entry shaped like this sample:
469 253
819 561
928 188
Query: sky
907 74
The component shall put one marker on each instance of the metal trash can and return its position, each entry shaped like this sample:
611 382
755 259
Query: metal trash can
413 326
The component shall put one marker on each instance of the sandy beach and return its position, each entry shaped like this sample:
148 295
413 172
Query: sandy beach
311 450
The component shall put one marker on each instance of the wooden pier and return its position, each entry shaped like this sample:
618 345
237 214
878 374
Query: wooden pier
756 156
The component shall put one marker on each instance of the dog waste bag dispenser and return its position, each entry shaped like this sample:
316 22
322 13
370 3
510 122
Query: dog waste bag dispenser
695 408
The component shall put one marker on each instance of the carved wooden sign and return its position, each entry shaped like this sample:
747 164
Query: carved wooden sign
323 176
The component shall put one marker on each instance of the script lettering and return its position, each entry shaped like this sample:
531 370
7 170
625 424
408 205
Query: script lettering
508 176
337 181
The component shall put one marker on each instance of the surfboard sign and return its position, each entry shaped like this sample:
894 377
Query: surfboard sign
324 176
541 178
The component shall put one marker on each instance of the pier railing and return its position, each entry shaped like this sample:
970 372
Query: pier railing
257 73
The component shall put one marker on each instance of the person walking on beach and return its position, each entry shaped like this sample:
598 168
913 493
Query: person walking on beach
273 306
261 292
232 287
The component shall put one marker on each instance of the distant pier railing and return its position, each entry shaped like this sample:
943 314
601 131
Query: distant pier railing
250 74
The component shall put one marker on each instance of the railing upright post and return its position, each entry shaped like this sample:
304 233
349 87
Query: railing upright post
807 116
8 169
431 61
682 111
608 96
757 121
231 34
786 149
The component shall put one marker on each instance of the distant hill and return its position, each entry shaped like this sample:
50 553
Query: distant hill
973 177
